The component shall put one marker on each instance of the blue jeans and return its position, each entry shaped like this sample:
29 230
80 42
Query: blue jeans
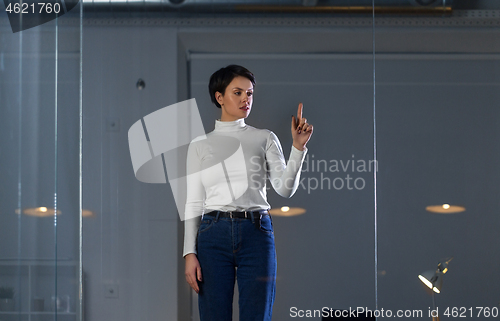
241 248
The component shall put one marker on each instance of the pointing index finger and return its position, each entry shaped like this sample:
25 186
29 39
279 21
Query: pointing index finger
299 111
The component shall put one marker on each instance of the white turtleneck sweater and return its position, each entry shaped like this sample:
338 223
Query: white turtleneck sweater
227 171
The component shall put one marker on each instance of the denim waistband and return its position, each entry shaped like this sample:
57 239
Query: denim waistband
239 214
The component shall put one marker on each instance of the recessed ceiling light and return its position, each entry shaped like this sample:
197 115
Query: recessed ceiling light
41 211
445 209
287 211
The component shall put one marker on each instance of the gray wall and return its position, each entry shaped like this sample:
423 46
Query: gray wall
131 244
435 117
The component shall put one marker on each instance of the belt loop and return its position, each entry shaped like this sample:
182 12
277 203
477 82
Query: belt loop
217 217
251 215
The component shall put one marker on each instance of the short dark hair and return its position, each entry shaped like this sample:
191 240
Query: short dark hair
223 77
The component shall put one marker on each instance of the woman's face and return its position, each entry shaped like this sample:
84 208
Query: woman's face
237 101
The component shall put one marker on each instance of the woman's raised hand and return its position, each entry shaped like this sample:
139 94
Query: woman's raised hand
301 130
193 271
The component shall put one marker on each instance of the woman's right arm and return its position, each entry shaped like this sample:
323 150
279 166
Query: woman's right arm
193 271
195 198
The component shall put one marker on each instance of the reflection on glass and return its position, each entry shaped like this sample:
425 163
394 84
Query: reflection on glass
287 211
445 209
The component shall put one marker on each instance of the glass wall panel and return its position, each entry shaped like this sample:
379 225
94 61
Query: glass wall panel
437 146
40 167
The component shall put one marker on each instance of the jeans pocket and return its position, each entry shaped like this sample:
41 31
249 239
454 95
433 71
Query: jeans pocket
266 225
205 224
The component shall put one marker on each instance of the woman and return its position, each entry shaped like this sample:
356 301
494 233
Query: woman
227 184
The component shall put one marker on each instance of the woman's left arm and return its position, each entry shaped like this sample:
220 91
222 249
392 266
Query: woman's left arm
301 130
285 178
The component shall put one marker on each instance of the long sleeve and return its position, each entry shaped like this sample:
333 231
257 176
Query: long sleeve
195 198
284 178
